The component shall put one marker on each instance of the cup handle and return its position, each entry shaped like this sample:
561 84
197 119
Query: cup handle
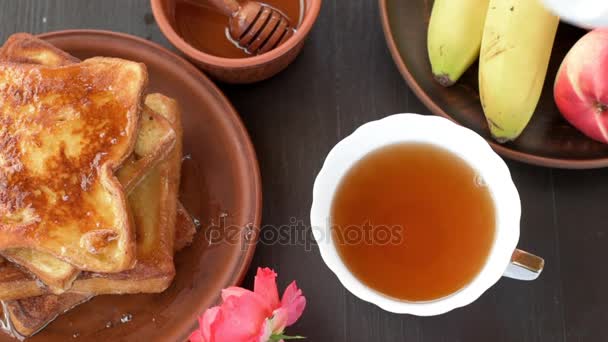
524 266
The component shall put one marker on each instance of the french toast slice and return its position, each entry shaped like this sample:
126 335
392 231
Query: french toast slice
155 138
169 109
153 207
17 284
27 49
184 229
56 274
25 317
59 275
64 132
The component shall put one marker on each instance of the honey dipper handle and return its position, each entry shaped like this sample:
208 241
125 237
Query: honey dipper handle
227 7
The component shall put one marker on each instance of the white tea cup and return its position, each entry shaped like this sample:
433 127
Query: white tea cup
503 260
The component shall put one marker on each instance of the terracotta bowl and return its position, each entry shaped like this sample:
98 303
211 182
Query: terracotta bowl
238 70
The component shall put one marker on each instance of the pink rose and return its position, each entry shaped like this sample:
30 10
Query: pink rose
246 316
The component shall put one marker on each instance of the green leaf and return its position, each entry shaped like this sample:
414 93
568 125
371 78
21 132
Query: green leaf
285 337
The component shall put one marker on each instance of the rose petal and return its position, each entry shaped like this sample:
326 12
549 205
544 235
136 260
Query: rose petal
265 285
206 323
280 317
293 302
241 318
265 332
195 336
274 325
237 292
233 291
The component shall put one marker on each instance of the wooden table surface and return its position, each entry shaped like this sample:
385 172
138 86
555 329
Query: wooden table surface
344 78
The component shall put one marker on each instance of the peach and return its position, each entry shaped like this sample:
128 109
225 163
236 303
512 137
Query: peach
581 85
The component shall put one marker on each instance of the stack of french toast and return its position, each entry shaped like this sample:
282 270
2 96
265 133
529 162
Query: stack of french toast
89 181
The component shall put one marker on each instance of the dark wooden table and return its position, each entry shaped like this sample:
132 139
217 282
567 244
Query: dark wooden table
344 78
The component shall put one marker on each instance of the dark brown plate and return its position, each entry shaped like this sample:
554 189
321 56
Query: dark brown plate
547 141
222 176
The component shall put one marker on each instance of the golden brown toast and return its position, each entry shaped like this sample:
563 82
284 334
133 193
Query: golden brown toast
184 229
31 314
28 316
155 138
57 274
27 49
17 284
65 130
153 207
169 108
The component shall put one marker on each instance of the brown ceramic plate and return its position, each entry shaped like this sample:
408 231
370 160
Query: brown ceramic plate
221 176
548 140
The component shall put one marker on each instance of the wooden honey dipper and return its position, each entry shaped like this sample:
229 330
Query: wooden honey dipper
255 27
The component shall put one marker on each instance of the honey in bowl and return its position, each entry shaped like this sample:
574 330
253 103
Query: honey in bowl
413 221
206 29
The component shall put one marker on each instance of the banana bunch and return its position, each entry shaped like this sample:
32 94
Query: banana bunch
513 39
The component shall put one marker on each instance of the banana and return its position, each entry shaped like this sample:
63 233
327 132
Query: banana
515 51
454 37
